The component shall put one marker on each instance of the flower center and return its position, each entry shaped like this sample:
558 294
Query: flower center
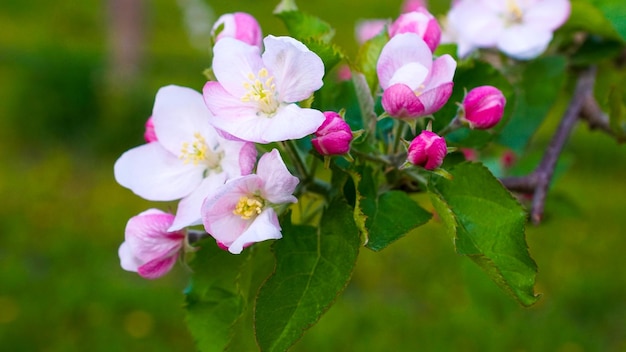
514 13
262 90
248 207
198 152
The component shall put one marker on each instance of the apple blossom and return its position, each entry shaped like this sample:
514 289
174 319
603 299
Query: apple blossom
483 107
240 26
334 135
413 5
427 150
520 29
420 22
188 159
241 212
254 98
150 249
413 84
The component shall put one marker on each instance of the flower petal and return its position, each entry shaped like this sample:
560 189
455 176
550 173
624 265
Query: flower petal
279 184
157 267
233 62
148 238
153 173
434 99
402 49
524 42
189 210
128 261
264 227
178 114
297 70
400 101
548 14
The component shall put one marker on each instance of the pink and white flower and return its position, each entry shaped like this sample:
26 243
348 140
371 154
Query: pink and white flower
242 211
413 5
187 160
149 134
150 249
428 150
420 22
521 29
239 25
255 96
413 84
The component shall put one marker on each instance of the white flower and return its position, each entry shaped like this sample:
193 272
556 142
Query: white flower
521 29
241 212
255 96
188 159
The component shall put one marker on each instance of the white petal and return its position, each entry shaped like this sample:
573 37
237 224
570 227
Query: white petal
279 184
477 21
524 42
264 227
411 75
153 173
401 50
189 208
233 62
128 261
547 14
297 71
178 114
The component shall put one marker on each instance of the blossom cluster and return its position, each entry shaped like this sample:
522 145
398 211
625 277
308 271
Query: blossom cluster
202 149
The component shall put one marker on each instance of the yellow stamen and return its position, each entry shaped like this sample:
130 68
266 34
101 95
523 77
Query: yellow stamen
248 207
198 152
515 13
262 90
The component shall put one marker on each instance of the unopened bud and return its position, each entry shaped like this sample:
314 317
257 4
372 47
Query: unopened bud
149 135
483 107
420 22
427 150
238 25
333 137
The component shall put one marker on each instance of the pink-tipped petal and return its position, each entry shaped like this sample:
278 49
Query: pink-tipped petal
265 227
403 49
233 62
401 102
279 184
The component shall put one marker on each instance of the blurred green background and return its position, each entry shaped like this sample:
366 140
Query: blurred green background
68 111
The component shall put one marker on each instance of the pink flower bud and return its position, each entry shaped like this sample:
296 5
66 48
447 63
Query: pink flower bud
149 248
333 137
428 150
484 107
150 135
239 25
420 22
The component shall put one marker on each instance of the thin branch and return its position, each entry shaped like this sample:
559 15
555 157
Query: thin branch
596 118
538 181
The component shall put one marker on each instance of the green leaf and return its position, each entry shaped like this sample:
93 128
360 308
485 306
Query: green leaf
367 58
488 226
313 265
384 218
328 52
588 17
615 12
213 301
541 82
303 26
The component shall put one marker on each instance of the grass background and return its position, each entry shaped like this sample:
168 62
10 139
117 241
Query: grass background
62 215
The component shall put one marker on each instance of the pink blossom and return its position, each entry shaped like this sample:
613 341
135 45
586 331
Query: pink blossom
420 22
483 107
334 135
188 159
255 96
241 212
368 29
149 248
520 29
413 84
240 26
427 150
149 134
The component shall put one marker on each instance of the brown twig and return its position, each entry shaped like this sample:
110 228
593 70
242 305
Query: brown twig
538 182
596 118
